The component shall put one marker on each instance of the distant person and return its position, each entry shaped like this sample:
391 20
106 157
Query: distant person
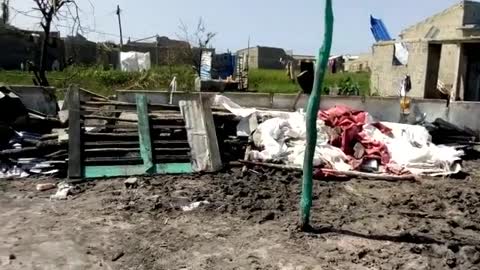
56 65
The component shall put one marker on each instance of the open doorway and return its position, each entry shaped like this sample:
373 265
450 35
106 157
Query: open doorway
472 83
433 67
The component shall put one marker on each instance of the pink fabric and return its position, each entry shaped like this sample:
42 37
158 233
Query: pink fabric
351 122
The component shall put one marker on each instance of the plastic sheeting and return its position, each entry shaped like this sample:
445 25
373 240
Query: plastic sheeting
284 139
135 61
401 53
206 66
410 147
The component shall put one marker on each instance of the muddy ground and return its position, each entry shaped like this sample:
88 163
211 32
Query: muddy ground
248 223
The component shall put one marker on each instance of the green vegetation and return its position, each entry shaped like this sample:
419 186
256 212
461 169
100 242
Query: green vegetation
276 81
105 82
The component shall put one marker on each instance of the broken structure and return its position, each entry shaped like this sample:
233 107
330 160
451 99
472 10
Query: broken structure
442 54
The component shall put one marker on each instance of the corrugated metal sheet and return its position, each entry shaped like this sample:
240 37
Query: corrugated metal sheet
206 66
379 30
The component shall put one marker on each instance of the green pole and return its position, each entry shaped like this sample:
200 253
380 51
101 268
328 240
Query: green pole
312 111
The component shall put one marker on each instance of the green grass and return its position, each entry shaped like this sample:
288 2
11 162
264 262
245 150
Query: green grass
105 82
276 81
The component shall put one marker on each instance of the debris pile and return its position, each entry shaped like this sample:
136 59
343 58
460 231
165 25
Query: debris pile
351 141
112 138
30 143
447 133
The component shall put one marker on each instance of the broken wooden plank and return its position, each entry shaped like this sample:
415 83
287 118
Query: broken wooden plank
212 141
352 174
137 159
99 117
205 156
128 104
100 134
271 165
136 149
105 144
131 170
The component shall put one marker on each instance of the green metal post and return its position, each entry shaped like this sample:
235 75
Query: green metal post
312 111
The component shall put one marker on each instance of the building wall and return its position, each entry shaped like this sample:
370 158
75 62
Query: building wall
269 58
445 24
386 77
264 57
252 56
362 64
448 63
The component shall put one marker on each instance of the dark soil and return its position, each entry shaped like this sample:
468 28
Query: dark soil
244 222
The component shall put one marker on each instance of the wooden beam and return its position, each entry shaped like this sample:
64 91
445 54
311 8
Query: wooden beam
205 156
144 133
104 144
75 134
131 170
212 141
98 117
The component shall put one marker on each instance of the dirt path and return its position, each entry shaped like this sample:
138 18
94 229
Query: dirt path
248 223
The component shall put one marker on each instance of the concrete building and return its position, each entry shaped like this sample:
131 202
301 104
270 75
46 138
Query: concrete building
358 63
264 57
442 50
163 51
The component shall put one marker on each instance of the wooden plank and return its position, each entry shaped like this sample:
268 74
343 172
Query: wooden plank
134 126
112 150
98 117
215 157
144 133
201 135
175 143
75 134
99 134
120 103
131 170
136 159
90 110
93 150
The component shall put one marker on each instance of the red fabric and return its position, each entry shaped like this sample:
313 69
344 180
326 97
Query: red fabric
351 123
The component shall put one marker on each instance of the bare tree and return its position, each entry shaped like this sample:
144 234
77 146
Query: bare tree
200 41
5 11
51 10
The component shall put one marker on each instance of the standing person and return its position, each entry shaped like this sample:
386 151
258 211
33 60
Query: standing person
305 80
290 71
405 101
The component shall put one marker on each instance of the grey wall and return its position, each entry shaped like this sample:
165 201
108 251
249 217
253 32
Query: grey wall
464 114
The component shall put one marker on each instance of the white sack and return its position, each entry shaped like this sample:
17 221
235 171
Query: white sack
135 61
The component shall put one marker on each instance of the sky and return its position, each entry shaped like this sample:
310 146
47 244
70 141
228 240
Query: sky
292 25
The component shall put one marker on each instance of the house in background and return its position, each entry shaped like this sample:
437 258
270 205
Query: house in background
264 57
358 63
443 52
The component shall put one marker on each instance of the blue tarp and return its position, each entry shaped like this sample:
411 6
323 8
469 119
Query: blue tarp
379 31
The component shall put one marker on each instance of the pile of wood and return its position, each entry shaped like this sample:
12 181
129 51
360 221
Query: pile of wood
42 154
446 133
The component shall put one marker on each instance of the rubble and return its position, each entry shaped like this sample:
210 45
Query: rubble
46 186
131 182
350 140
64 189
